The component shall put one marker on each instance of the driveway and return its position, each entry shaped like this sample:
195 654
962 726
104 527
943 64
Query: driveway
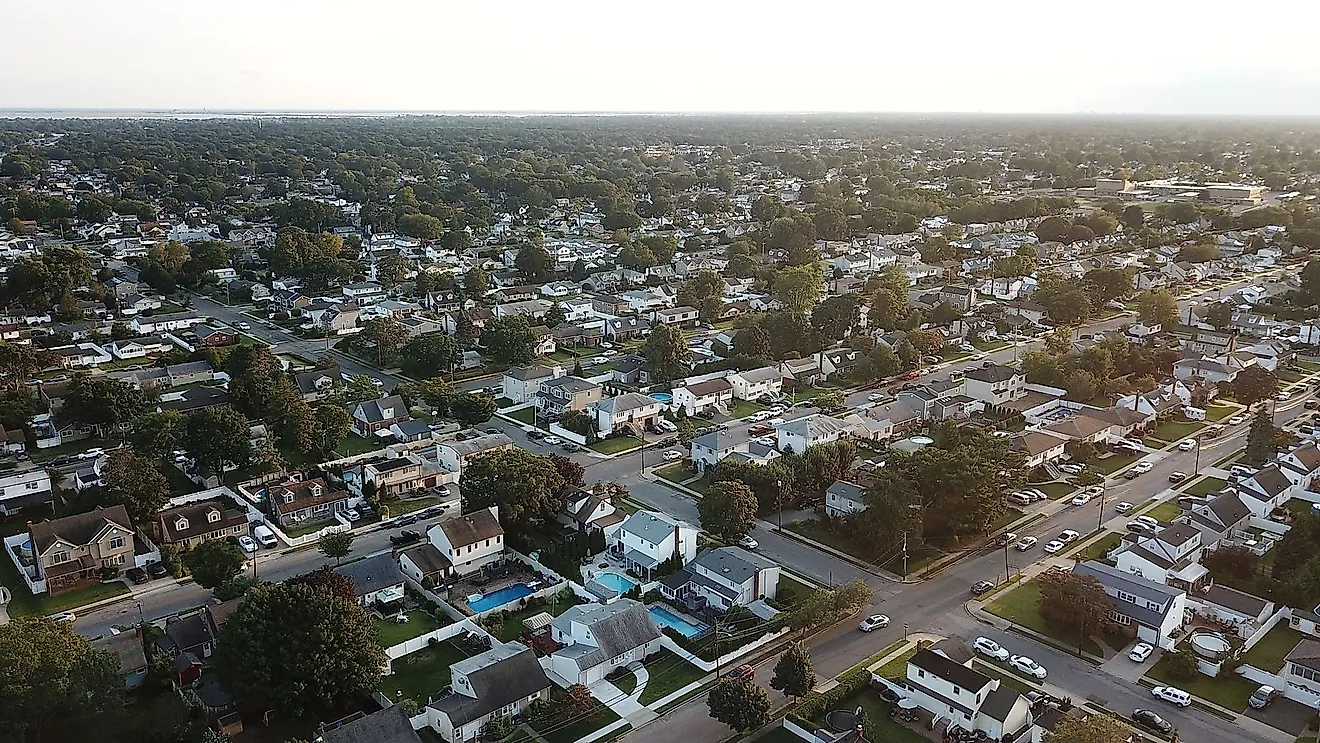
1284 714
1125 668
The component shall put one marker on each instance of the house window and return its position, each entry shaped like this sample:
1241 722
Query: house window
116 543
1305 673
181 524
59 557
213 516
33 485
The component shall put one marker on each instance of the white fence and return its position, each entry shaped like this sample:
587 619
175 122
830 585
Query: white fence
1281 615
1289 690
34 584
668 643
807 735
421 642
564 433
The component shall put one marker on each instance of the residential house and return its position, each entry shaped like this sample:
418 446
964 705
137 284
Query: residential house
469 542
960 297
401 475
376 579
723 578
317 384
585 510
1301 671
389 725
1122 422
205 336
1080 428
843 498
995 385
193 398
1266 490
751 384
412 431
598 638
710 448
338 319
166 323
1153 610
1232 607
712 394
81 356
648 538
453 456
521 383
631 369
363 294
682 316
627 328
806 372
941 681
191 524
24 487
812 430
299 502
1209 370
562 394
1222 519
371 416
74 550
895 418
631 409
1038 447
501 682
426 565
139 347
127 648
1171 556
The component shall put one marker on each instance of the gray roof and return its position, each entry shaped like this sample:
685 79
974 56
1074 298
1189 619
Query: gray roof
992 374
1228 508
814 425
524 373
1306 654
651 526
999 703
373 410
617 627
487 442
845 490
499 677
412 428
734 564
372 574
763 374
572 385
951 671
389 725
126 646
427 558
625 402
1242 603
1114 579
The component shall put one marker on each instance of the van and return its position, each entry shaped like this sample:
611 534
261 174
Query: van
1021 499
264 536
1194 414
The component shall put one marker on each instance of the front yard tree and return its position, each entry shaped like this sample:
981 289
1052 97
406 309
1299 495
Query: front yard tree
794 674
155 435
359 388
218 436
298 649
335 545
666 353
54 683
526 487
1090 729
1219 314
728 509
214 562
1076 604
330 425
509 340
740 704
1260 439
383 338
1158 307
429 355
1253 384
135 483
471 409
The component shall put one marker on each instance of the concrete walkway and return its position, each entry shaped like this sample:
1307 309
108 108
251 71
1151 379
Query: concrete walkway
624 705
643 676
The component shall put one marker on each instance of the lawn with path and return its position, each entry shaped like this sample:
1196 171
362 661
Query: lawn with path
1113 463
668 673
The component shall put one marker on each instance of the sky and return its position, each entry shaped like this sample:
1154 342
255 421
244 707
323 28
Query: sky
992 56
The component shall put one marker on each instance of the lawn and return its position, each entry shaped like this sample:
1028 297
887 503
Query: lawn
1205 486
815 530
1057 490
989 346
1268 654
355 444
879 725
523 415
676 472
390 633
1101 547
1010 515
669 673
896 668
400 507
1289 375
512 626
744 408
1007 679
626 683
555 729
1020 607
615 445
1230 692
809 393
1217 413
1113 463
1164 512
1171 431
423 673
791 590
73 447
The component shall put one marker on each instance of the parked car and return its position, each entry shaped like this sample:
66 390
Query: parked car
352 515
1123 506
157 569
1072 469
407 536
64 616
1149 521
990 649
1025 544
1027 666
405 520
552 441
748 542
1151 721
1177 476
1068 536
1172 695
874 622
1020 498
244 326
1035 493
1053 546
442 490
981 586
137 575
1187 445
1261 698
672 455
569 446
1140 652
246 544
1081 499
1138 527
1008 537
535 434
745 671
1237 419
1311 404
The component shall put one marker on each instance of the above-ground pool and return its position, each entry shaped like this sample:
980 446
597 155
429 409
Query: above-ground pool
499 598
1212 645
614 581
666 618
662 396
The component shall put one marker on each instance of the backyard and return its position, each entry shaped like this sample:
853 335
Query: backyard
669 673
1268 654
423 673
879 724
511 629
1020 606
390 633
355 444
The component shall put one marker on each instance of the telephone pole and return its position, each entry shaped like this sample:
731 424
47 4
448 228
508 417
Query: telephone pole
905 556
1008 575
1100 517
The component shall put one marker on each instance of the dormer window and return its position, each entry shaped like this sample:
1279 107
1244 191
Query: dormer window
288 497
181 524
315 490
212 516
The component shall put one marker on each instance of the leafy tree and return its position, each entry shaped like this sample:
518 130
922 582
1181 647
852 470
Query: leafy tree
1076 604
55 684
798 289
1253 384
667 353
330 427
107 404
1182 664
577 701
218 437
825 606
534 263
335 545
421 226
636 256
509 339
570 471
157 434
1133 218
1260 439
1089 729
728 509
475 282
1199 253
1301 585
472 409
214 562
383 338
429 355
135 483
834 317
1233 560
1158 307
393 270
19 363
526 487
555 315
1219 314
794 674
1104 285
766 209
359 388
740 704
298 649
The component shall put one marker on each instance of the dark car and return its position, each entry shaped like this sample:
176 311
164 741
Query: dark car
570 446
137 575
491 430
157 570
405 520
981 586
1151 721
407 536
536 434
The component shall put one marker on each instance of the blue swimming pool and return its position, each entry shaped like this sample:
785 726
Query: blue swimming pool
662 396
618 583
666 618
501 597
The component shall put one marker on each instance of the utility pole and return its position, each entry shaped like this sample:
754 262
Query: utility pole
1100 517
1196 469
779 500
1007 573
905 556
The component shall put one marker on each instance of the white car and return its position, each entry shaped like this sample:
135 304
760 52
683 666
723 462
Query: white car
672 455
990 649
92 453
875 397
352 515
1053 546
1027 666
1068 536
874 622
1172 695
1081 499
1140 652
1072 469
748 542
552 441
1123 506
599 360
1036 493
64 616
1149 521
1237 419
244 326
1284 395
1025 544
769 441
1142 467
246 543
1187 445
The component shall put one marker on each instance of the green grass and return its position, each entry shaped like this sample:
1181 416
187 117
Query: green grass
896 667
512 626
1173 431
626 683
1218 413
791 591
557 730
523 415
1230 692
815 530
390 633
1289 375
400 507
1005 678
669 673
1298 507
744 408
1268 654
1020 606
1113 463
422 673
1057 490
674 472
876 656
990 346
879 725
73 447
1101 547
1164 512
615 445
355 444
1205 486
808 393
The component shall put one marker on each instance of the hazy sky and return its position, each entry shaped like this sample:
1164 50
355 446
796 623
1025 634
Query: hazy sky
1157 56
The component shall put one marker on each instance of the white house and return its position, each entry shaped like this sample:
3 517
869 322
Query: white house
995 385
698 397
167 323
723 578
503 681
1266 490
454 455
471 541
749 385
811 430
941 681
1172 557
1038 447
648 538
521 382
585 510
23 487
1154 610
599 638
843 498
629 409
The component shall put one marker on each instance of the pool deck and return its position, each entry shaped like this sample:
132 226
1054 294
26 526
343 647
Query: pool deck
684 616
462 590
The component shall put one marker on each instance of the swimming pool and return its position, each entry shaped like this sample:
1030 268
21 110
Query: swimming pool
662 396
614 581
666 618
500 598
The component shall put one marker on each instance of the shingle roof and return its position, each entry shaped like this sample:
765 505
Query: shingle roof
1306 654
471 528
78 529
373 410
954 673
389 725
1243 603
846 491
427 558
992 374
372 574
498 677
617 627
735 564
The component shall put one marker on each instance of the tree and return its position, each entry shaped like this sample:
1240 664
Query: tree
157 434
1133 218
326 579
218 437
509 339
330 427
55 684
767 209
577 701
107 404
335 545
667 353
527 488
534 263
572 472
359 388
794 674
384 338
19 363
1089 729
1235 561
393 270
298 649
1260 439
834 317
135 483
475 282
797 289
828 605
1158 307
1219 314
728 509
429 355
1182 665
740 704
421 226
472 409
1074 603
214 562
1253 384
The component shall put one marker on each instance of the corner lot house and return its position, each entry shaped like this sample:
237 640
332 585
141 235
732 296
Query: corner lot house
71 551
723 578
24 487
600 638
469 542
520 383
843 498
375 415
1153 609
504 681
297 503
812 430
941 681
648 538
629 409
